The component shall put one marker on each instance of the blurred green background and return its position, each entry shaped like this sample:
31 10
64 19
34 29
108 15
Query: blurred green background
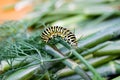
96 25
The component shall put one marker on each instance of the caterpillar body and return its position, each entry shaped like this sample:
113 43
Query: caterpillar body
55 31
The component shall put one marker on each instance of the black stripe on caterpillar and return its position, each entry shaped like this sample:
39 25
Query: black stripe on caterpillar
55 31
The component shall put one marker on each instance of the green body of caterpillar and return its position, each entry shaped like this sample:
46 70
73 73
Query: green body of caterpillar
55 31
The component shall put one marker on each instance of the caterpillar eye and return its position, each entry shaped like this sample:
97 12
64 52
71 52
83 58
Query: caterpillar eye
56 31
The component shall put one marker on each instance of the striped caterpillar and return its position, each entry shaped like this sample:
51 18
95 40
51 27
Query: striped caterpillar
55 31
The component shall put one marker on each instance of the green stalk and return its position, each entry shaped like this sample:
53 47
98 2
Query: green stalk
95 39
100 61
99 37
111 68
35 17
74 52
99 19
4 66
18 62
87 8
100 46
53 18
112 49
23 74
98 77
74 66
26 72
67 21
98 9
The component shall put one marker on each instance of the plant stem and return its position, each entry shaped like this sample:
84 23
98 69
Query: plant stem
112 49
81 59
74 66
95 39
99 37
96 63
87 64
4 66
67 21
100 46
23 74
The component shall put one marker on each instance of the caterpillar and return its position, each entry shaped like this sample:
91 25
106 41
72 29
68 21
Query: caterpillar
55 31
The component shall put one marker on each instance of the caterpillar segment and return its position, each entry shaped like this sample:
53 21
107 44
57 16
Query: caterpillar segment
54 31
